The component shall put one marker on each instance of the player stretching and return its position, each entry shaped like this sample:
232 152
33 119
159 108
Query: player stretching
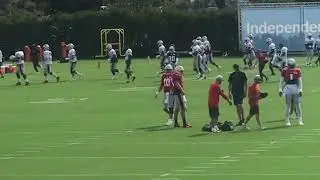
128 70
166 85
291 88
47 61
180 101
254 95
309 43
19 59
72 56
317 48
113 59
172 57
271 54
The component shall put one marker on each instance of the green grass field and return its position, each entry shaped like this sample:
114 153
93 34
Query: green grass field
99 129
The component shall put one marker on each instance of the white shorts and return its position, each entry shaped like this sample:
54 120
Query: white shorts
168 100
47 68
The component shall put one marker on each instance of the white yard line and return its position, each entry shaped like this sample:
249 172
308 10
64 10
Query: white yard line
247 154
256 150
243 174
188 170
72 175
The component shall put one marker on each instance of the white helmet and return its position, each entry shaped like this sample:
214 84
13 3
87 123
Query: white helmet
250 36
246 40
309 35
109 47
269 40
12 58
70 46
199 38
160 42
219 78
46 47
168 67
291 62
179 69
171 49
204 38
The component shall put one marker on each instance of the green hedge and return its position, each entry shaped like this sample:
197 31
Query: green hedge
83 29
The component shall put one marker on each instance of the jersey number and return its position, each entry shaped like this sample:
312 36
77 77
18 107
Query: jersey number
167 82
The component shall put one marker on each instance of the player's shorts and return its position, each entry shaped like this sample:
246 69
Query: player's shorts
113 64
128 68
214 113
237 99
178 102
20 69
73 66
168 100
254 110
47 68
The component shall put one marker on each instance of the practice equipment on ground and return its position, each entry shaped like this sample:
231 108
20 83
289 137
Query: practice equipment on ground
115 37
226 126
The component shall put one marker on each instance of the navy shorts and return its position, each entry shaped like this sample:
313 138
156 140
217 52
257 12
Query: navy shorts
254 110
237 99
214 113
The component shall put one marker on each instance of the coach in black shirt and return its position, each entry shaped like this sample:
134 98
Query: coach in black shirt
238 90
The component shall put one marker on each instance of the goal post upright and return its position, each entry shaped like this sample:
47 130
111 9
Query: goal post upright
118 43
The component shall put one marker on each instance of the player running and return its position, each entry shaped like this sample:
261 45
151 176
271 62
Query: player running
208 53
161 55
262 60
167 86
128 61
72 57
291 88
47 64
172 57
248 53
19 59
271 54
281 59
309 44
113 59
180 101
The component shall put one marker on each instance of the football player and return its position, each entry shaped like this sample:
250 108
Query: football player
166 85
291 88
309 44
128 61
281 59
1 63
19 59
47 64
317 48
195 50
113 59
172 57
180 100
248 53
162 54
262 60
199 62
72 57
253 54
271 54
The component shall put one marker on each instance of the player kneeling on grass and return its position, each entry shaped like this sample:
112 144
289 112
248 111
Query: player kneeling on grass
167 84
254 95
291 88
213 102
19 59
180 100
128 61
47 61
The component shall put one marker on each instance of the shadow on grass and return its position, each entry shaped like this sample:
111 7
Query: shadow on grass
156 128
274 121
200 134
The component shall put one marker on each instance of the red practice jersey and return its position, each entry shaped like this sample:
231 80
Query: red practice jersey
167 82
214 95
254 94
262 57
178 83
291 75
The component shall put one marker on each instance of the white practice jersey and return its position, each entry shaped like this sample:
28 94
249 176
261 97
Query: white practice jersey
284 52
196 49
47 57
310 43
1 56
272 49
19 57
113 55
128 54
318 43
72 55
162 50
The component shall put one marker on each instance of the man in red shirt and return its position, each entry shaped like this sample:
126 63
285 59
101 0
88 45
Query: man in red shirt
166 85
263 60
213 102
254 96
180 100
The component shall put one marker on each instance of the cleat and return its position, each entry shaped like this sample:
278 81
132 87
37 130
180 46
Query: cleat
187 126
240 123
58 79
170 122
301 123
176 125
215 129
127 81
288 123
45 82
18 84
133 78
27 83
245 127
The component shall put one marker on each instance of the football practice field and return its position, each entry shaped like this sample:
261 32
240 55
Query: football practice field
96 128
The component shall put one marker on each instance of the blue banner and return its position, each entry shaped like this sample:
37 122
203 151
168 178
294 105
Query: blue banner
288 26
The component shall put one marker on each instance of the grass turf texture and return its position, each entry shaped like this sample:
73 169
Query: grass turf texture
117 133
